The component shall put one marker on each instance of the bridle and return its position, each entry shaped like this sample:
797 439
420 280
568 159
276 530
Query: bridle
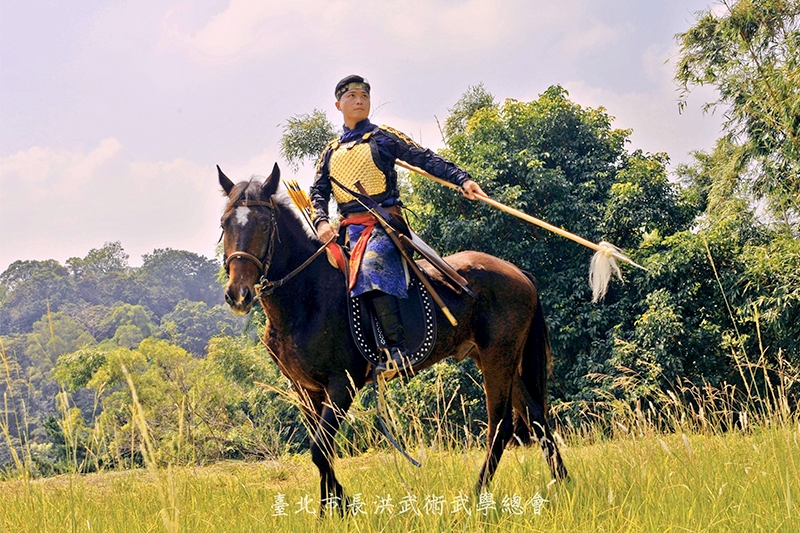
264 287
261 263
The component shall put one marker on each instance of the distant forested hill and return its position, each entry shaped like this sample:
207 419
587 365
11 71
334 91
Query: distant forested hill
96 303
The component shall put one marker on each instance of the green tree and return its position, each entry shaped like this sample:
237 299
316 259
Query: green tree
772 292
750 52
72 441
32 288
55 314
52 336
564 164
32 390
18 398
649 350
246 406
305 136
161 376
103 276
74 370
758 266
192 324
168 276
98 262
473 100
128 315
232 404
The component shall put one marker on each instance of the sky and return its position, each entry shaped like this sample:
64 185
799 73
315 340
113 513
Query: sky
114 114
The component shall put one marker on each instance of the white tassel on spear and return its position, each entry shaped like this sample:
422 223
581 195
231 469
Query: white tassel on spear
602 267
603 264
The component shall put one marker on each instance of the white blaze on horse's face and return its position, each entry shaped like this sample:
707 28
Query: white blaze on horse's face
242 213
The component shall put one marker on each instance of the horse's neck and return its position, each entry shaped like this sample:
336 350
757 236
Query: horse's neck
286 307
295 245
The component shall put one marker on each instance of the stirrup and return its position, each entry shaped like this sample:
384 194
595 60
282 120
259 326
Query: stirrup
397 361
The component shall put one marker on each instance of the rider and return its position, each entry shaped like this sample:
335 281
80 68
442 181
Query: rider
366 153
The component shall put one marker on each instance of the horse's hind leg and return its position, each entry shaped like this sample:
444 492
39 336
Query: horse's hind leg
533 413
501 424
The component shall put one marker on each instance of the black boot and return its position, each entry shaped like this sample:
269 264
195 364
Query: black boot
387 311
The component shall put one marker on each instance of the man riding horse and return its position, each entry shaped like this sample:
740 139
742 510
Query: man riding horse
496 318
364 158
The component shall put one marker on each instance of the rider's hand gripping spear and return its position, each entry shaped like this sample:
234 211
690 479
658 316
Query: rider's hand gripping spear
603 263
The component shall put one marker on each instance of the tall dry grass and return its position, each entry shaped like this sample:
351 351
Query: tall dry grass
690 458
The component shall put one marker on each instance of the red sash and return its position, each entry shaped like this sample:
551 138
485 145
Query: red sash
338 256
357 254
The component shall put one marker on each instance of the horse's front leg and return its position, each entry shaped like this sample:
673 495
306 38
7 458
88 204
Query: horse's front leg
335 406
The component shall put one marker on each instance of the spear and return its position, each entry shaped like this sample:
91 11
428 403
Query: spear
603 263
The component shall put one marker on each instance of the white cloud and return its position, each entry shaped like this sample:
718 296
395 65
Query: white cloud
129 66
243 29
60 204
248 28
56 171
261 164
653 116
176 201
655 63
579 39
474 25
653 113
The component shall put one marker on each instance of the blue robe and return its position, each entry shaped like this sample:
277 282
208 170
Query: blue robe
382 266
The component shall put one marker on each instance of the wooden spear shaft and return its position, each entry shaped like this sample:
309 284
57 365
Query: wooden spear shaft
524 216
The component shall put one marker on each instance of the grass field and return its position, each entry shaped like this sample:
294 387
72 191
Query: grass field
731 481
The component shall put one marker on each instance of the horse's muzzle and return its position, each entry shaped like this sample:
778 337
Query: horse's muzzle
239 298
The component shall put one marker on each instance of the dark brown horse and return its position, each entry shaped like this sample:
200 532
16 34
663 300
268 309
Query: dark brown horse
503 330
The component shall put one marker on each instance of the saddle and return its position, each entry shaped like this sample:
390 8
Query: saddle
418 313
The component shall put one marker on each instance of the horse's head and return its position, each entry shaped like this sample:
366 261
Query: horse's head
248 235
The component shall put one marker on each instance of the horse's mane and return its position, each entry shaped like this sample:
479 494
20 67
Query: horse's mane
251 190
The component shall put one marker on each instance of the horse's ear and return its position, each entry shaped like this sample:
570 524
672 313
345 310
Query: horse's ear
227 184
271 184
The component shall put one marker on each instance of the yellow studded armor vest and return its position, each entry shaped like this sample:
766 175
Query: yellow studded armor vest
350 163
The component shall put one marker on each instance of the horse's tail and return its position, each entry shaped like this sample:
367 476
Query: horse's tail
536 366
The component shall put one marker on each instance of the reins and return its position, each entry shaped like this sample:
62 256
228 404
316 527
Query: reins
264 287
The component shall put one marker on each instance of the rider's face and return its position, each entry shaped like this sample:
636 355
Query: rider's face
354 106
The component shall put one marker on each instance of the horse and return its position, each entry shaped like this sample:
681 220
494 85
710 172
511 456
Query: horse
308 336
